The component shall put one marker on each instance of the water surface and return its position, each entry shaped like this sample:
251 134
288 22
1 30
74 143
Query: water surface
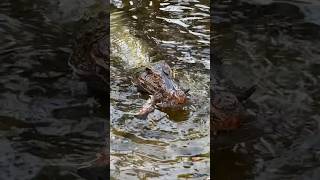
50 124
167 145
274 44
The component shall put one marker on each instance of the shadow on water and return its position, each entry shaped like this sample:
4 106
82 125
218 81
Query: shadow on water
275 45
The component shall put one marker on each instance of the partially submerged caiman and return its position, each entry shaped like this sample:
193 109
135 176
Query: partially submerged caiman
91 58
157 81
227 111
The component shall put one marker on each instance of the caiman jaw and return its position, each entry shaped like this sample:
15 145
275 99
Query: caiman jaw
180 97
158 82
147 108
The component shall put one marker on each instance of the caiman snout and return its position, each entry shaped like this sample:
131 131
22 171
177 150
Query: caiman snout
157 81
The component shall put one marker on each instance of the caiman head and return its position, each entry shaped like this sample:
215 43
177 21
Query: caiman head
158 82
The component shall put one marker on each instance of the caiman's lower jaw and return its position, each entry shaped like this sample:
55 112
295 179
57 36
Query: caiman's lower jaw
180 97
147 108
181 100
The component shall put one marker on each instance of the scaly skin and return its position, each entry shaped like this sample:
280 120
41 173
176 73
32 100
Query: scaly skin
227 111
163 91
91 59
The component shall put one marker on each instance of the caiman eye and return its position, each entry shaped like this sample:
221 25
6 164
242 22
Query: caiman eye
148 70
186 91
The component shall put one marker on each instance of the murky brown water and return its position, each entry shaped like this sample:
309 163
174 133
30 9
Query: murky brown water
51 124
165 145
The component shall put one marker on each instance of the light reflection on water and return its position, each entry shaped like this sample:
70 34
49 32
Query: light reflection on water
165 146
49 122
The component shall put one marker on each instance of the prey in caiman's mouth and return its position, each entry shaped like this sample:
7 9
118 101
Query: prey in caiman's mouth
157 81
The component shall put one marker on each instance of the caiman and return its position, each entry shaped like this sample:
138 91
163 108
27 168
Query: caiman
91 58
157 81
227 111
